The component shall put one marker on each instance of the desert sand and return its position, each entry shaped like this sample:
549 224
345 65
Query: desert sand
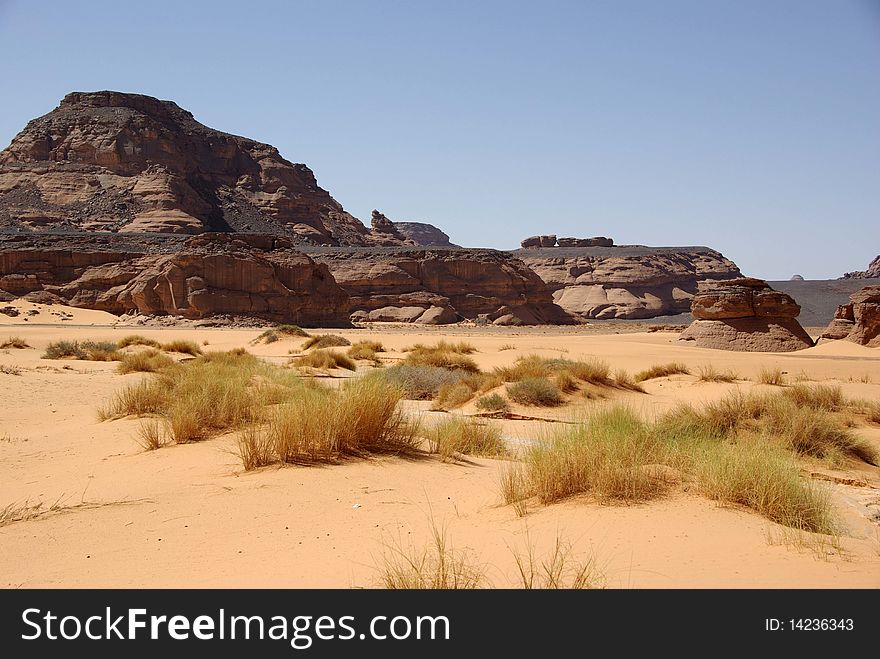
114 515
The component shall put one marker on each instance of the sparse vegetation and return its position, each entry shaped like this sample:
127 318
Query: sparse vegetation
268 336
456 394
291 330
467 436
320 341
535 391
623 380
534 366
559 571
662 371
145 361
14 342
818 397
516 488
9 369
506 346
494 402
324 360
772 376
149 435
711 374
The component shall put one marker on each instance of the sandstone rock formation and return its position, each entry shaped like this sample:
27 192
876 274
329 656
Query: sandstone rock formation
538 241
626 282
873 271
210 274
423 234
440 286
109 161
385 233
858 321
745 314
598 241
796 278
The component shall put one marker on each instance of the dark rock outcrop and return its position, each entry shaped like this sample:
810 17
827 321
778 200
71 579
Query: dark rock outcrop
626 282
747 315
598 241
858 321
108 161
205 275
538 241
873 271
445 284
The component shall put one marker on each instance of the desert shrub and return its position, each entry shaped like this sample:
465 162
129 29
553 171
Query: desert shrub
442 355
324 359
268 336
138 399
458 393
516 487
319 341
146 361
99 351
149 435
874 413
421 382
538 392
506 346
183 347
534 366
255 448
8 369
662 371
291 330
566 382
711 374
62 349
771 376
492 403
558 571
136 340
466 436
366 350
14 342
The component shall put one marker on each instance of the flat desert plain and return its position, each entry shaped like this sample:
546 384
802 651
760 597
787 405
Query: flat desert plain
83 504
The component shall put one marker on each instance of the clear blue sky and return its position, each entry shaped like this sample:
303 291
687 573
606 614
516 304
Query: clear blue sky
751 126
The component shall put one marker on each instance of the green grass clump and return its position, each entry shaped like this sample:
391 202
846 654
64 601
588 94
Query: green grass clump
99 351
291 330
320 341
145 361
466 436
324 360
662 371
535 391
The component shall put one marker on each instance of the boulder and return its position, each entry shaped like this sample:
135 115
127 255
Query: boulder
745 314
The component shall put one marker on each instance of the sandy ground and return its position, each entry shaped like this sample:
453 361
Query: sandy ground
188 516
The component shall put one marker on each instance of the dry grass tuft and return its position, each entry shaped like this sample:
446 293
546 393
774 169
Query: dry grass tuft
14 342
99 351
662 371
506 346
436 567
535 391
465 436
452 356
559 571
291 330
149 435
818 397
457 393
324 360
146 361
421 382
366 350
534 366
711 374
8 369
772 376
136 340
183 347
267 336
320 341
623 380
516 488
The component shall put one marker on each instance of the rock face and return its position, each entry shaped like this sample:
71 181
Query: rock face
858 321
873 271
598 241
385 233
440 286
424 235
257 276
626 282
538 241
747 315
108 161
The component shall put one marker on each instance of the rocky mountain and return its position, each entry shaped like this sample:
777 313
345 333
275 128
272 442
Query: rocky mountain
626 282
873 271
108 161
